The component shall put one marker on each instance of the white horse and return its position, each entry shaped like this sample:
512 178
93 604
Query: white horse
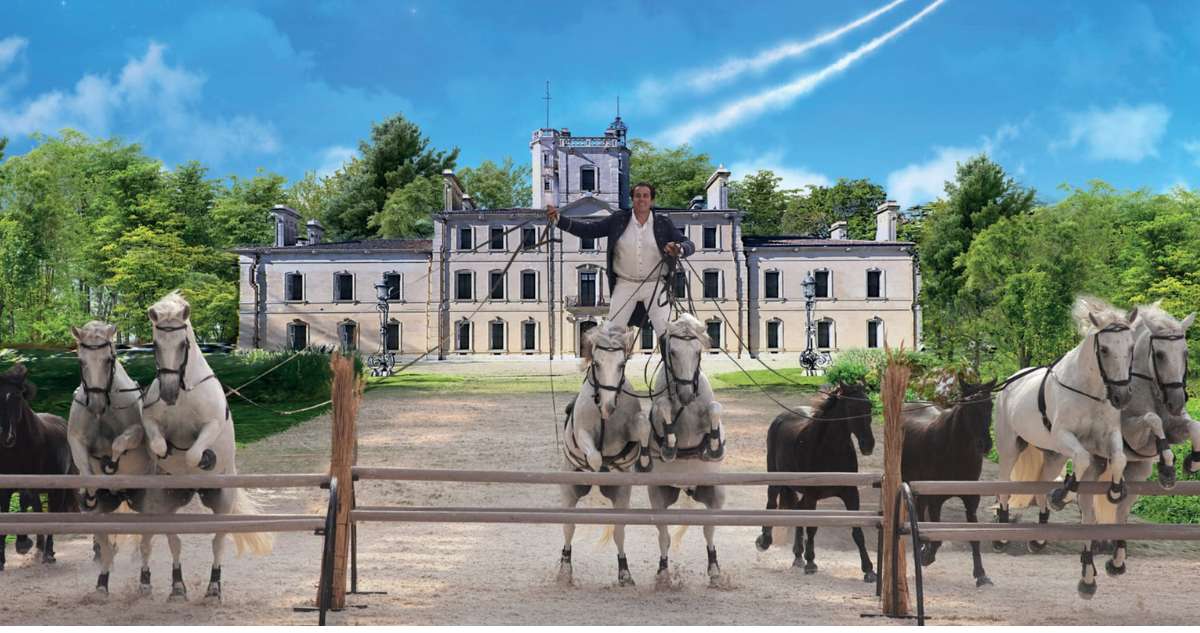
1154 419
604 430
188 425
688 436
105 433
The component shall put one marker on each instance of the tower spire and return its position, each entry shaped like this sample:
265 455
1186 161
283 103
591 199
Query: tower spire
547 99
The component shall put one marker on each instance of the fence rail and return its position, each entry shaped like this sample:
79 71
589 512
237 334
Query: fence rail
617 478
161 482
989 488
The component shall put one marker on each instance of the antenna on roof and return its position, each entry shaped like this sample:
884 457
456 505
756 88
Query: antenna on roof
618 106
547 99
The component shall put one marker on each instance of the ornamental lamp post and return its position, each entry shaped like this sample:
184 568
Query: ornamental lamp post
811 360
382 362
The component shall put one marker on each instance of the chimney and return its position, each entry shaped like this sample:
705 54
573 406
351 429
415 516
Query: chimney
887 216
468 202
452 191
286 221
316 232
838 230
716 190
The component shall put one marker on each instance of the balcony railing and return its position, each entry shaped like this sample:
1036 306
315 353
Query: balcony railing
575 301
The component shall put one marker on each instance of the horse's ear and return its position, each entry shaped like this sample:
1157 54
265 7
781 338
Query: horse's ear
28 391
1187 321
630 339
16 373
112 332
1132 314
75 333
1092 318
153 315
187 311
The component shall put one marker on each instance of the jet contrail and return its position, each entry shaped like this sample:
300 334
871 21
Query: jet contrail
780 96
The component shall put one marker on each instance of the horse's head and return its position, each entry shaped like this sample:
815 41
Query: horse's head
605 354
1111 335
849 404
975 407
172 343
97 363
15 395
683 346
1161 354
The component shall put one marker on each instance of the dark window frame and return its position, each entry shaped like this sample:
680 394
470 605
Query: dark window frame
828 290
496 234
387 342
291 335
395 291
458 336
350 343
528 238
714 342
469 233
716 284
767 276
875 328
533 287
774 327
338 277
878 274
595 178
529 343
716 238
828 325
458 276
497 292
492 336
287 286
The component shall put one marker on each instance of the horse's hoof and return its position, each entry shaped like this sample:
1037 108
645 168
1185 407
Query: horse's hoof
108 466
668 453
714 455
1057 499
1087 590
1115 493
88 501
798 562
158 446
928 556
646 467
662 580
810 569
48 558
999 546
213 595
1166 476
870 577
1036 547
23 545
1191 463
714 577
625 579
1113 570
763 542
983 581
178 593
208 459
97 596
564 574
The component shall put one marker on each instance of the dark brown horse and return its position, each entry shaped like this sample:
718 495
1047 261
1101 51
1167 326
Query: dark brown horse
949 445
817 439
32 444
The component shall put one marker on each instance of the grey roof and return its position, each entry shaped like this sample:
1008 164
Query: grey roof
352 246
768 241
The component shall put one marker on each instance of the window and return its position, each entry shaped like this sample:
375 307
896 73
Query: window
822 289
587 178
529 336
464 282
648 338
824 334
293 284
874 277
712 284
463 338
681 285
394 286
496 336
545 159
587 288
496 238
773 328
466 238
528 285
587 243
348 335
546 185
496 284
343 287
771 285
710 237
874 333
392 343
714 333
528 238
297 334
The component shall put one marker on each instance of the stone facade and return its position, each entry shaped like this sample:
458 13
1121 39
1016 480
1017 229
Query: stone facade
452 292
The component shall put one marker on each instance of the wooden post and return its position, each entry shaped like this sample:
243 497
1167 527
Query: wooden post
894 384
345 393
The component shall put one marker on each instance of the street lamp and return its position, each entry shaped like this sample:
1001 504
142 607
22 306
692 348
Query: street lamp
384 361
811 360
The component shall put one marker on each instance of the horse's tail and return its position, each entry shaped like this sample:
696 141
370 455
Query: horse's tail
1104 511
606 536
258 543
1028 467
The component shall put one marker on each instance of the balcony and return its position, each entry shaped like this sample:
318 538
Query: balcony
587 304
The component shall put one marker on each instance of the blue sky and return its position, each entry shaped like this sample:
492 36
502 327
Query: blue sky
892 90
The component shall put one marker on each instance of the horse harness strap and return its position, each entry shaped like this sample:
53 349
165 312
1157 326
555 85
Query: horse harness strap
1157 378
572 452
1103 376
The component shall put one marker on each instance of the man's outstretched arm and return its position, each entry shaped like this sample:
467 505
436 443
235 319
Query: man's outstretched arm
579 228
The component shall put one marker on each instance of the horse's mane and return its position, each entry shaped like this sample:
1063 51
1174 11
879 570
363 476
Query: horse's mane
1087 306
825 402
171 306
608 334
689 325
1158 320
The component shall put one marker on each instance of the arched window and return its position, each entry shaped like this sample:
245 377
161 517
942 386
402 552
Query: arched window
874 283
529 336
348 335
392 343
715 329
496 332
775 335
875 333
297 335
462 336
825 334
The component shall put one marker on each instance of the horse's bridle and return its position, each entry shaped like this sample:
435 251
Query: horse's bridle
1157 379
664 341
1108 382
107 389
597 385
182 369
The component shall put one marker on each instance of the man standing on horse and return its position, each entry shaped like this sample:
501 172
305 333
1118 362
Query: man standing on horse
640 245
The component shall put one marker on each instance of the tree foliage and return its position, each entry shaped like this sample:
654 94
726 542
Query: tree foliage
814 212
492 186
677 173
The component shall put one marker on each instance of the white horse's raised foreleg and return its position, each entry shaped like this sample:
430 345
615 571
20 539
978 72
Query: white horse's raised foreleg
715 448
201 455
154 435
78 444
129 439
1116 463
1069 445
1191 463
662 410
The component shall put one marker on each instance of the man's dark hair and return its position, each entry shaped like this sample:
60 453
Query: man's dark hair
643 184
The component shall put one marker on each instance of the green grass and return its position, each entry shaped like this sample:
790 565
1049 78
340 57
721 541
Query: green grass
793 377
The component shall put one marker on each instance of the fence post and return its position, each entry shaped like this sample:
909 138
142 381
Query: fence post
895 579
346 393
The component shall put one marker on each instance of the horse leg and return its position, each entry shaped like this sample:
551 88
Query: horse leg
764 540
570 497
714 448
619 495
792 501
809 502
28 503
1117 491
58 503
971 505
220 501
662 497
1008 446
1081 459
106 558
1087 580
1138 471
713 497
1191 463
933 512
1166 458
849 497
178 587
144 577
1052 464
5 499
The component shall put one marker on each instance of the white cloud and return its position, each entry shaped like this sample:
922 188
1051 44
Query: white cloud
792 177
779 96
918 183
10 47
333 158
702 80
1193 147
1124 133
159 100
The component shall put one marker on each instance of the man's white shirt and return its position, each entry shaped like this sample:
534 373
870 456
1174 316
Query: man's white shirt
637 252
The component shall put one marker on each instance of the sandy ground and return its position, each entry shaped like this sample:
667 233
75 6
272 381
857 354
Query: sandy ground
482 574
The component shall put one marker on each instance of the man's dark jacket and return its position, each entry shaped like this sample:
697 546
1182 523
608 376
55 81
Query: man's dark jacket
613 227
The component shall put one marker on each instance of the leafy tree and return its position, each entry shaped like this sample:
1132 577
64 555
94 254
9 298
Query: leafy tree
763 202
492 186
407 211
191 194
214 306
854 201
678 174
311 195
396 155
239 214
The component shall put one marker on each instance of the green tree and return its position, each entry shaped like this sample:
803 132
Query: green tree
191 194
396 155
407 211
492 186
763 202
240 213
678 174
311 195
854 201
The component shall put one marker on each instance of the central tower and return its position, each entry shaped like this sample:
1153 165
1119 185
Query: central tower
567 168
